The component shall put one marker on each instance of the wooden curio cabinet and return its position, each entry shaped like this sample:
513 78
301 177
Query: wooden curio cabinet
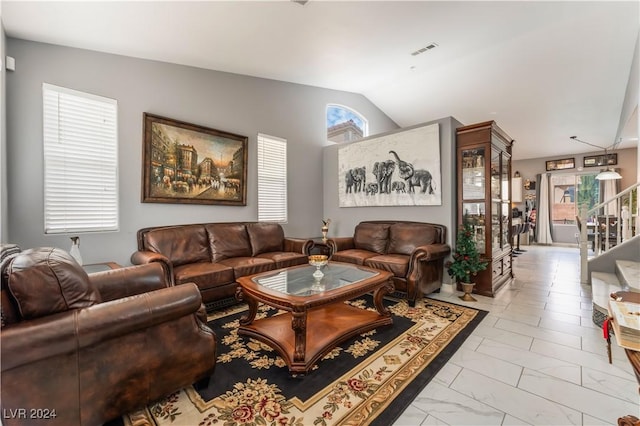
484 199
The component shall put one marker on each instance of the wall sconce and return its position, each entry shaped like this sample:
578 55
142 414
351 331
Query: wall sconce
516 188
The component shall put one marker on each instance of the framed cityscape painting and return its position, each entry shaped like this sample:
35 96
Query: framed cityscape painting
187 163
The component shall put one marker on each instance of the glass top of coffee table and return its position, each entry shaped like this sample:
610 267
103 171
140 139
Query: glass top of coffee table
301 282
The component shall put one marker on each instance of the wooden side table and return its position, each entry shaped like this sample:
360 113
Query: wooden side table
632 349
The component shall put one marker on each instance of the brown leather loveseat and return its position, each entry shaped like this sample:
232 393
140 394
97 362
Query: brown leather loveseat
413 251
215 255
83 350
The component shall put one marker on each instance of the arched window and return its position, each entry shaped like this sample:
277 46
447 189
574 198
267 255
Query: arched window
345 124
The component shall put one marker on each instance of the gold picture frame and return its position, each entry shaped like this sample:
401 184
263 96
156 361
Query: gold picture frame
192 164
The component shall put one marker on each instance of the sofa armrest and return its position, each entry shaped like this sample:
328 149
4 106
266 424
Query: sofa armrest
340 243
124 282
431 252
67 332
298 245
142 257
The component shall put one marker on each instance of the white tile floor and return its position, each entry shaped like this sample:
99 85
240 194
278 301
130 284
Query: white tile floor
536 359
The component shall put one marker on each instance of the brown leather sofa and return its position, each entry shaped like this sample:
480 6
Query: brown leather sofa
413 251
83 350
215 255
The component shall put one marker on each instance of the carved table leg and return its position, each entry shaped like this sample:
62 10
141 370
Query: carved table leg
299 326
253 307
378 296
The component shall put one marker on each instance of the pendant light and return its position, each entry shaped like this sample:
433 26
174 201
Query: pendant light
608 174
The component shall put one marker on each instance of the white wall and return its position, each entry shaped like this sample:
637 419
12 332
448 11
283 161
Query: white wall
229 102
3 142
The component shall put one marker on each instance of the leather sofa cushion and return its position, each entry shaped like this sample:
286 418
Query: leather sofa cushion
265 237
204 275
352 256
228 240
405 237
243 266
397 264
285 259
371 237
45 281
181 244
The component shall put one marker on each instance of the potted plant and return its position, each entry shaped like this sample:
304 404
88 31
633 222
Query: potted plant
466 260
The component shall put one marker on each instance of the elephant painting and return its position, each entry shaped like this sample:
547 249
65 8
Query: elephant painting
420 178
355 179
382 171
403 168
372 189
398 186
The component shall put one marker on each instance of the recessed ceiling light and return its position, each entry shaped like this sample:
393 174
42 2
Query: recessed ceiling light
424 49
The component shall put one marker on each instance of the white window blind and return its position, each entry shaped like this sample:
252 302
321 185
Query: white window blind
80 161
272 179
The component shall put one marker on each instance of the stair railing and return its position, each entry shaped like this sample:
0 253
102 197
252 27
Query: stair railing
616 218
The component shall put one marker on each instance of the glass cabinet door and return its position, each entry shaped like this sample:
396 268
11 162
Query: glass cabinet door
496 200
506 211
474 214
506 200
496 177
473 174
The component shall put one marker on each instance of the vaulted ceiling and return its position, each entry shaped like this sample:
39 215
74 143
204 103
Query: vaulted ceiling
544 70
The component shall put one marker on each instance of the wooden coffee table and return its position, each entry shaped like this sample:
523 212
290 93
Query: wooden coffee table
317 319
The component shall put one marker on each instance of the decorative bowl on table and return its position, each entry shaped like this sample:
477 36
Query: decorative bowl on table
318 260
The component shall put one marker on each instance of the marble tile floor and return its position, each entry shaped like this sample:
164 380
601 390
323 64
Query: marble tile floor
536 359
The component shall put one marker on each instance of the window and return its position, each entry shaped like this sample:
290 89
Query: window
345 125
272 179
569 192
80 161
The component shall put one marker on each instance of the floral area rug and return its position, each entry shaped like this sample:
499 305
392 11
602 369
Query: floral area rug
369 379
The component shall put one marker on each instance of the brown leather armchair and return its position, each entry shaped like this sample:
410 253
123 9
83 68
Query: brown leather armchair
88 349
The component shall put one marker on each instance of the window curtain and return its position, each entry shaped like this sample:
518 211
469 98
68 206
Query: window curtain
609 189
543 226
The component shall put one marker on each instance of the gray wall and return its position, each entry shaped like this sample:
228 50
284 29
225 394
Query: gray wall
344 219
626 166
229 102
531 167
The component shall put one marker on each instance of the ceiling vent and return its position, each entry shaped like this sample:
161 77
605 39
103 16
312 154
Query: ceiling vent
424 49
